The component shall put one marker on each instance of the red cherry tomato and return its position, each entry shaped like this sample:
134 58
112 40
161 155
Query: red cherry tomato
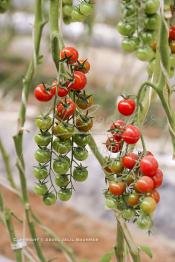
148 153
129 160
148 165
62 91
144 185
83 66
66 108
70 54
131 134
155 195
126 107
117 189
172 33
113 146
42 94
158 178
117 129
79 82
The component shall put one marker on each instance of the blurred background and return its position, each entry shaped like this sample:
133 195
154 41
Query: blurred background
112 73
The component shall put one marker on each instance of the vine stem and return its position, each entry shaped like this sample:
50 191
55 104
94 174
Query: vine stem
120 241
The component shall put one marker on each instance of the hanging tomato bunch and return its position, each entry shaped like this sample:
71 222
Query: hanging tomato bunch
133 178
63 137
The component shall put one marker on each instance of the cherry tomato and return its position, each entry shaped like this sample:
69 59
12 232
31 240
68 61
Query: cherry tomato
117 189
172 33
116 166
110 203
151 22
158 178
43 122
151 6
129 160
172 46
155 195
83 66
65 194
62 90
81 139
126 107
113 146
66 108
148 37
70 54
84 124
132 199
61 180
49 199
131 134
40 189
145 53
61 165
148 165
80 173
126 29
84 101
144 222
43 139
79 81
77 16
42 155
63 130
40 172
129 44
80 153
62 146
148 205
145 184
129 10
42 93
67 10
117 129
86 9
128 213
4 5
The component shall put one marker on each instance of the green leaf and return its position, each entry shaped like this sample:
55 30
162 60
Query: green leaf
107 257
147 251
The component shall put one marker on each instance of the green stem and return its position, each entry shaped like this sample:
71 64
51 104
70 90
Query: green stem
120 241
94 148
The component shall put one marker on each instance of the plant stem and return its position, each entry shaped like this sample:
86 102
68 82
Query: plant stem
94 148
119 248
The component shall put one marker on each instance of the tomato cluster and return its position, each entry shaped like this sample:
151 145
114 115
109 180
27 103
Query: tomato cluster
63 136
133 178
79 13
139 37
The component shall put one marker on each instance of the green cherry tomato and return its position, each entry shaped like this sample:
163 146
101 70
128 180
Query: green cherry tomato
151 6
40 190
144 222
126 29
148 205
148 37
42 155
86 9
61 180
132 199
151 22
40 172
116 166
67 2
67 10
43 139
80 153
128 213
129 44
62 146
43 123
61 165
110 203
80 173
121 205
63 130
81 139
77 16
49 199
65 194
145 53
4 5
129 10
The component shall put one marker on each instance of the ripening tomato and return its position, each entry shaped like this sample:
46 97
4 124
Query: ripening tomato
144 184
83 66
126 106
116 166
117 129
42 93
172 33
158 178
132 199
129 160
155 195
131 134
62 90
70 54
66 108
84 124
79 81
117 189
113 146
84 101
148 205
172 47
148 165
